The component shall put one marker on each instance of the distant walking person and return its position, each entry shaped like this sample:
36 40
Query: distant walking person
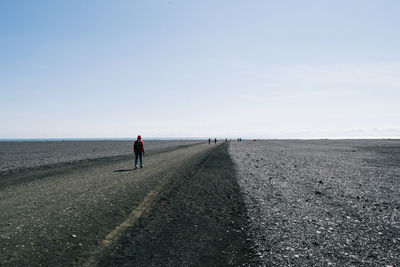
209 140
138 148
215 140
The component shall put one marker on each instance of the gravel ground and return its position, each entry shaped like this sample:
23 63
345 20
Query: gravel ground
321 203
270 203
30 154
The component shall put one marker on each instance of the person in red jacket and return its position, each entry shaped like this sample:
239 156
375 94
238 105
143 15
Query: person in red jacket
138 148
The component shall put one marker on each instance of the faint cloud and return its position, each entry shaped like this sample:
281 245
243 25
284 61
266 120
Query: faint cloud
340 77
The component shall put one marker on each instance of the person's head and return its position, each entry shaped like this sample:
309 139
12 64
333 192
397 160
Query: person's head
139 137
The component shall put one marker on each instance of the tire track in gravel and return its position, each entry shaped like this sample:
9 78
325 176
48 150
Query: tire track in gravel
116 234
61 217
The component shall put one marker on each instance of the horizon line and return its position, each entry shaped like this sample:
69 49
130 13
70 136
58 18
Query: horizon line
190 138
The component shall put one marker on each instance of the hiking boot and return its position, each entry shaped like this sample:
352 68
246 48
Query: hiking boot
141 166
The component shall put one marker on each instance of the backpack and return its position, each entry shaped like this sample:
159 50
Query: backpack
138 146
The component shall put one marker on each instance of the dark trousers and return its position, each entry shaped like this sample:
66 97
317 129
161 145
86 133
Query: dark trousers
140 156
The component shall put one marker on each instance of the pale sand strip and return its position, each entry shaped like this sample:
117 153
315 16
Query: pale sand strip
113 236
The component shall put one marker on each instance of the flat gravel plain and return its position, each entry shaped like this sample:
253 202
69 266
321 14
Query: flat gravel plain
321 203
18 155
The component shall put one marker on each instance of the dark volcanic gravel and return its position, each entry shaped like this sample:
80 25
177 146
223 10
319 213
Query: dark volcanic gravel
322 203
30 154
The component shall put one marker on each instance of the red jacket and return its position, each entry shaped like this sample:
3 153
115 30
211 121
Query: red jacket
138 145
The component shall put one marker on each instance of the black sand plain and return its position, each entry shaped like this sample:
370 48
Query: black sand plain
253 203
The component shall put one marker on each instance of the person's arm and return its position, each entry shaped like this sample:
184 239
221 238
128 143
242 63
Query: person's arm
142 147
134 147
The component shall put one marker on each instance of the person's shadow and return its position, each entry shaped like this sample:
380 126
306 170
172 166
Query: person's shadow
127 170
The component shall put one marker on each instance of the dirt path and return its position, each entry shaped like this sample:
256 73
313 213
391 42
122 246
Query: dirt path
78 214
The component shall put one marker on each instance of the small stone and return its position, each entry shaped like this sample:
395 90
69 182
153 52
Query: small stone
74 236
296 255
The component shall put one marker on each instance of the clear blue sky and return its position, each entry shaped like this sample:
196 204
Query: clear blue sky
267 69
